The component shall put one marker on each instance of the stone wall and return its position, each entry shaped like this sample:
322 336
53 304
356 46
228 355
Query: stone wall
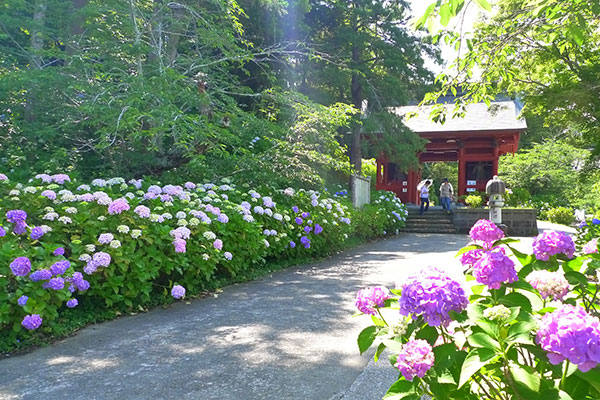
520 222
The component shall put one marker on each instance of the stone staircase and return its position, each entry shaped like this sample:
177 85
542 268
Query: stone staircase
435 220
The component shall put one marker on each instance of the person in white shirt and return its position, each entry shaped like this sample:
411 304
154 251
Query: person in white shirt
446 193
425 197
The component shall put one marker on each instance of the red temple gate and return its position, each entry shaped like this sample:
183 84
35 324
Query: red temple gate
476 142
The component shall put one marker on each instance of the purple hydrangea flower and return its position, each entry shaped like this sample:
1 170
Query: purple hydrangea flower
494 268
105 238
60 267
485 233
118 206
553 242
72 303
178 291
432 294
305 241
591 247
305 214
295 209
20 266
22 301
318 229
142 211
36 233
3 177
570 333
41 275
179 245
61 178
59 251
299 220
56 283
32 322
259 210
553 284
223 218
19 228
369 298
218 244
307 229
80 283
228 256
469 258
415 359
16 216
582 224
181 233
50 194
596 221
2 232
101 259
292 244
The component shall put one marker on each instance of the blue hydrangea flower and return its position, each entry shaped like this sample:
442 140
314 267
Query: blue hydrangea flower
22 300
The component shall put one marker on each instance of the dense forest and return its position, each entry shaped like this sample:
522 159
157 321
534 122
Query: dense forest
206 88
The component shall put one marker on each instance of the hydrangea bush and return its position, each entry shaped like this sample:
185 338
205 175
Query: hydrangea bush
118 244
510 326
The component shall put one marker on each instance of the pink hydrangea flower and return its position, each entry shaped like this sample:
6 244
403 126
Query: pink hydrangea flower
415 359
553 242
118 206
591 246
494 268
485 233
549 284
369 298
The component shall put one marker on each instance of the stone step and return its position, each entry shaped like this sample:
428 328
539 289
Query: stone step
432 226
429 229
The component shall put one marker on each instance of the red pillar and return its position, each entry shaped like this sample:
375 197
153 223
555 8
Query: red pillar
462 173
495 161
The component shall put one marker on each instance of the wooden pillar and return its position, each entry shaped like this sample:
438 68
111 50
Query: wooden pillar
378 175
462 173
495 161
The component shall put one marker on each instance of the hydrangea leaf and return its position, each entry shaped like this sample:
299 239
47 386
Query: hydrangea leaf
475 360
525 376
483 341
401 389
366 338
516 299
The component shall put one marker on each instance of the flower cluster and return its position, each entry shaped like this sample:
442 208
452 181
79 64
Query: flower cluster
485 233
415 359
369 298
549 284
497 313
178 292
550 243
432 294
591 247
570 333
494 268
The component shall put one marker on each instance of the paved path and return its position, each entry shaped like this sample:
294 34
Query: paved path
287 336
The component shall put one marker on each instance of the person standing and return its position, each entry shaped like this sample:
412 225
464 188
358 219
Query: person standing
446 193
424 197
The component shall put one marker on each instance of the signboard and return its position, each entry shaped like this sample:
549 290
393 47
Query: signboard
471 183
404 190
404 183
471 189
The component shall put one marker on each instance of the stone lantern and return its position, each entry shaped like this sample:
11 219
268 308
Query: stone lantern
495 188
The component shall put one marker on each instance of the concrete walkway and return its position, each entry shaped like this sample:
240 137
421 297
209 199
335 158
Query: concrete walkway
290 335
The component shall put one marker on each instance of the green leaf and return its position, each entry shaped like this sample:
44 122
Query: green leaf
484 4
380 350
475 360
445 356
516 299
525 376
445 14
399 390
467 248
377 321
592 377
428 333
576 278
366 338
484 341
577 34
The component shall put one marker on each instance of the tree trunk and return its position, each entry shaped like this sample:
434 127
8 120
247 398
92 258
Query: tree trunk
36 59
75 27
176 29
357 99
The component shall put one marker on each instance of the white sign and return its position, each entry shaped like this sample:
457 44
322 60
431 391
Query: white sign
404 190
471 189
404 183
471 183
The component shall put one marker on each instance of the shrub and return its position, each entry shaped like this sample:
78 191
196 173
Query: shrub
124 245
559 215
522 331
474 201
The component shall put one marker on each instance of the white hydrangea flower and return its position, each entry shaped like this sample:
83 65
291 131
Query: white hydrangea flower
167 216
205 257
182 222
287 218
90 248
194 222
136 233
154 217
30 189
85 257
51 216
115 244
209 235
180 215
123 229
101 218
46 228
65 220
71 210
14 192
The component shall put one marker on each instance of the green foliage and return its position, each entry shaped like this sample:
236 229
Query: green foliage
559 215
474 201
